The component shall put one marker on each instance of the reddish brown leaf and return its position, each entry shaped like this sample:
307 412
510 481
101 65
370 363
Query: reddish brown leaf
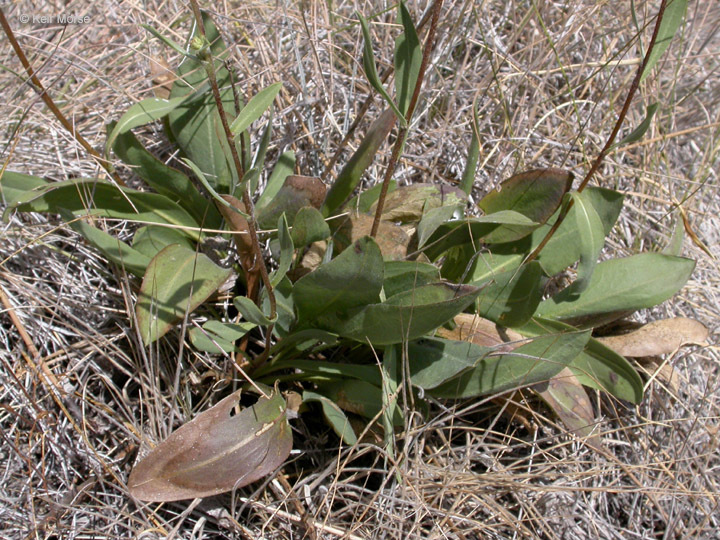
216 451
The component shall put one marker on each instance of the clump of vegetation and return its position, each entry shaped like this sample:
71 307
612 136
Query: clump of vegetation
366 302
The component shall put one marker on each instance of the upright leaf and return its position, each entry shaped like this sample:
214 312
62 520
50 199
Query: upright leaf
674 14
216 452
408 57
255 108
511 298
334 416
283 168
286 252
592 239
176 282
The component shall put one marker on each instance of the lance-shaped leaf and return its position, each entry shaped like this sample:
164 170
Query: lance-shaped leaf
351 173
296 193
408 57
639 131
255 108
152 239
674 14
536 194
592 239
14 185
535 362
511 298
103 199
434 360
627 284
353 278
176 282
216 452
358 397
216 337
405 316
403 276
334 416
283 168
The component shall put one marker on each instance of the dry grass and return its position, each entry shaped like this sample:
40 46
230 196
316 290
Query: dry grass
78 393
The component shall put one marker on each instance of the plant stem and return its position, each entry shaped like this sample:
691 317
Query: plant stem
402 135
247 201
40 89
611 139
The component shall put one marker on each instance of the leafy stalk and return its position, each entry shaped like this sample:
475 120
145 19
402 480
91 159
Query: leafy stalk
247 201
402 135
609 144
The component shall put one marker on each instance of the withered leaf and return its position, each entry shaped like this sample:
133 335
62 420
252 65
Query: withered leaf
216 451
658 337
296 192
409 203
482 332
392 239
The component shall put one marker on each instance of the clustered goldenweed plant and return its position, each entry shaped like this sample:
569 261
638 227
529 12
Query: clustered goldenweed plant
366 302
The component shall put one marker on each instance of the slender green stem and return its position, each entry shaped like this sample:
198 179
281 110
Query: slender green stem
40 89
402 135
611 139
247 201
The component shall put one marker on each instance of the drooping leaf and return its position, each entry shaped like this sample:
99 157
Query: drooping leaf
592 239
283 168
255 108
195 125
537 361
176 282
296 192
334 415
434 218
353 278
308 227
536 194
371 71
319 370
511 298
405 316
251 312
626 284
674 14
409 203
351 173
103 199
166 180
408 275
408 57
217 337
216 452
433 361
357 397
639 131
658 337
141 113
13 185
112 247
569 400
152 239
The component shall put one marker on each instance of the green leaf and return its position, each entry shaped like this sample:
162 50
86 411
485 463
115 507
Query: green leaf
259 159
284 305
468 177
334 415
141 113
353 278
405 316
371 71
286 252
331 370
674 14
113 248
597 366
196 125
511 298
166 180
255 108
151 240
539 360
283 168
408 57
592 239
308 227
627 284
390 369
434 218
217 451
169 42
362 202
296 192
357 397
217 337
434 360
535 194
639 131
251 312
103 199
14 185
401 276
352 172
176 282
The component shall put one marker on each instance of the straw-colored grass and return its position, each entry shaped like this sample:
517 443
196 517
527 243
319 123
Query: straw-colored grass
79 394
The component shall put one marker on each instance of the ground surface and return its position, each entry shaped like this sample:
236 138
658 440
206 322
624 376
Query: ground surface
550 78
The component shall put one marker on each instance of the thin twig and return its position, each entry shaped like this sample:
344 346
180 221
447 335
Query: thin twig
247 201
611 139
40 89
400 142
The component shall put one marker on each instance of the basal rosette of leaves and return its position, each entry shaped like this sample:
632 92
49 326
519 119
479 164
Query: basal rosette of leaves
444 287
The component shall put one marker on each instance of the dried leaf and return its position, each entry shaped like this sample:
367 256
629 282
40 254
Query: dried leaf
659 337
409 203
480 332
162 77
296 192
238 224
216 451
392 239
